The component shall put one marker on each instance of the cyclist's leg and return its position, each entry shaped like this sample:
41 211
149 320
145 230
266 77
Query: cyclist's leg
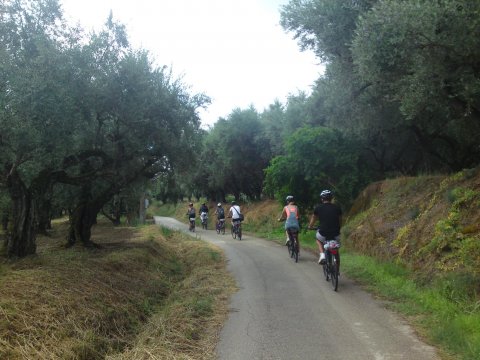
320 241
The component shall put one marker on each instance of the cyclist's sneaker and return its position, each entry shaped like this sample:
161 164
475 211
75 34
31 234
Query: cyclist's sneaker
321 259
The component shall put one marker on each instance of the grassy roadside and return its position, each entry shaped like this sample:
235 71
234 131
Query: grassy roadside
446 319
147 293
442 314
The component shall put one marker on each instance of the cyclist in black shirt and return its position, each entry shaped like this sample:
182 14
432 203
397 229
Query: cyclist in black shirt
329 216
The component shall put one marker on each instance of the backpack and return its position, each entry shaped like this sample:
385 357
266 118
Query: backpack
221 213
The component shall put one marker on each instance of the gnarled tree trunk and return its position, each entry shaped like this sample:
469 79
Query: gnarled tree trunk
81 221
21 239
85 216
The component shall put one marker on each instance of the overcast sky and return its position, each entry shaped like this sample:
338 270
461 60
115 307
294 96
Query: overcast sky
234 51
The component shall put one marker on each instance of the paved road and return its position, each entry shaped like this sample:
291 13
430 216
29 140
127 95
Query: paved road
286 310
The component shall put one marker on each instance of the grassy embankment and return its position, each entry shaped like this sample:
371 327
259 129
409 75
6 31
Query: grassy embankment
414 242
147 293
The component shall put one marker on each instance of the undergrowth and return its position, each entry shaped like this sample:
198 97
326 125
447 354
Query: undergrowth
93 304
449 319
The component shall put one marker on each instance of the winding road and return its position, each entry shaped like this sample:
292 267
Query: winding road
286 310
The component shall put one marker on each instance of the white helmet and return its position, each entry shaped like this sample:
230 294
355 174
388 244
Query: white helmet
219 204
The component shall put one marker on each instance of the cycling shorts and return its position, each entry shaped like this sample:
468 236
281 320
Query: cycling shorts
323 239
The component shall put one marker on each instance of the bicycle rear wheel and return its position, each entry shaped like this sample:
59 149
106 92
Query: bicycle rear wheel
234 234
295 247
290 248
326 272
334 272
239 232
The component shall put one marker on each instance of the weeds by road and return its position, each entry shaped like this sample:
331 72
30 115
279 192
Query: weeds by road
145 294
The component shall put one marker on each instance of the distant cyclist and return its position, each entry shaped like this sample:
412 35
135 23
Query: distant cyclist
203 209
234 212
220 212
191 211
329 216
191 216
290 214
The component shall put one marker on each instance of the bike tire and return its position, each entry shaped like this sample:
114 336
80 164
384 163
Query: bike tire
234 234
295 247
290 249
223 230
326 271
334 273
239 233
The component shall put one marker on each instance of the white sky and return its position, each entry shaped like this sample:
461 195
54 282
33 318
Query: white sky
234 51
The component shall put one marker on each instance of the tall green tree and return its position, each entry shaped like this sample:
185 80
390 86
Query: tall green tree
316 158
425 56
89 112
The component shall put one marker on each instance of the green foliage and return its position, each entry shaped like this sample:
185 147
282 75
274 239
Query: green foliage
235 153
458 250
87 111
401 76
423 55
316 158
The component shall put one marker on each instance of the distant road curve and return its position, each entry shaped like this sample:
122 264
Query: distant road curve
288 311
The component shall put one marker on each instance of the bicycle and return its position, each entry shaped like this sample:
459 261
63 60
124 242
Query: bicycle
220 226
192 224
331 265
204 220
237 229
292 244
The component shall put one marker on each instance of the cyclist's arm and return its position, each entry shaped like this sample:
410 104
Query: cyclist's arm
283 216
313 219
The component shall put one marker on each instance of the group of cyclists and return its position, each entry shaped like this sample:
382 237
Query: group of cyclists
234 213
327 214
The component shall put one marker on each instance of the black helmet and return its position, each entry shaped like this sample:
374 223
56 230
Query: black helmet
326 195
289 198
234 202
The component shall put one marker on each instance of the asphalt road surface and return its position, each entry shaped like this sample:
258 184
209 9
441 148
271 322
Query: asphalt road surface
286 310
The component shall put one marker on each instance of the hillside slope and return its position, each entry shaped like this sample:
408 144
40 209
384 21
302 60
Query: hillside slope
430 223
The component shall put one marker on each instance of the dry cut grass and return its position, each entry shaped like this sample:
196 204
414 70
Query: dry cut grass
143 295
